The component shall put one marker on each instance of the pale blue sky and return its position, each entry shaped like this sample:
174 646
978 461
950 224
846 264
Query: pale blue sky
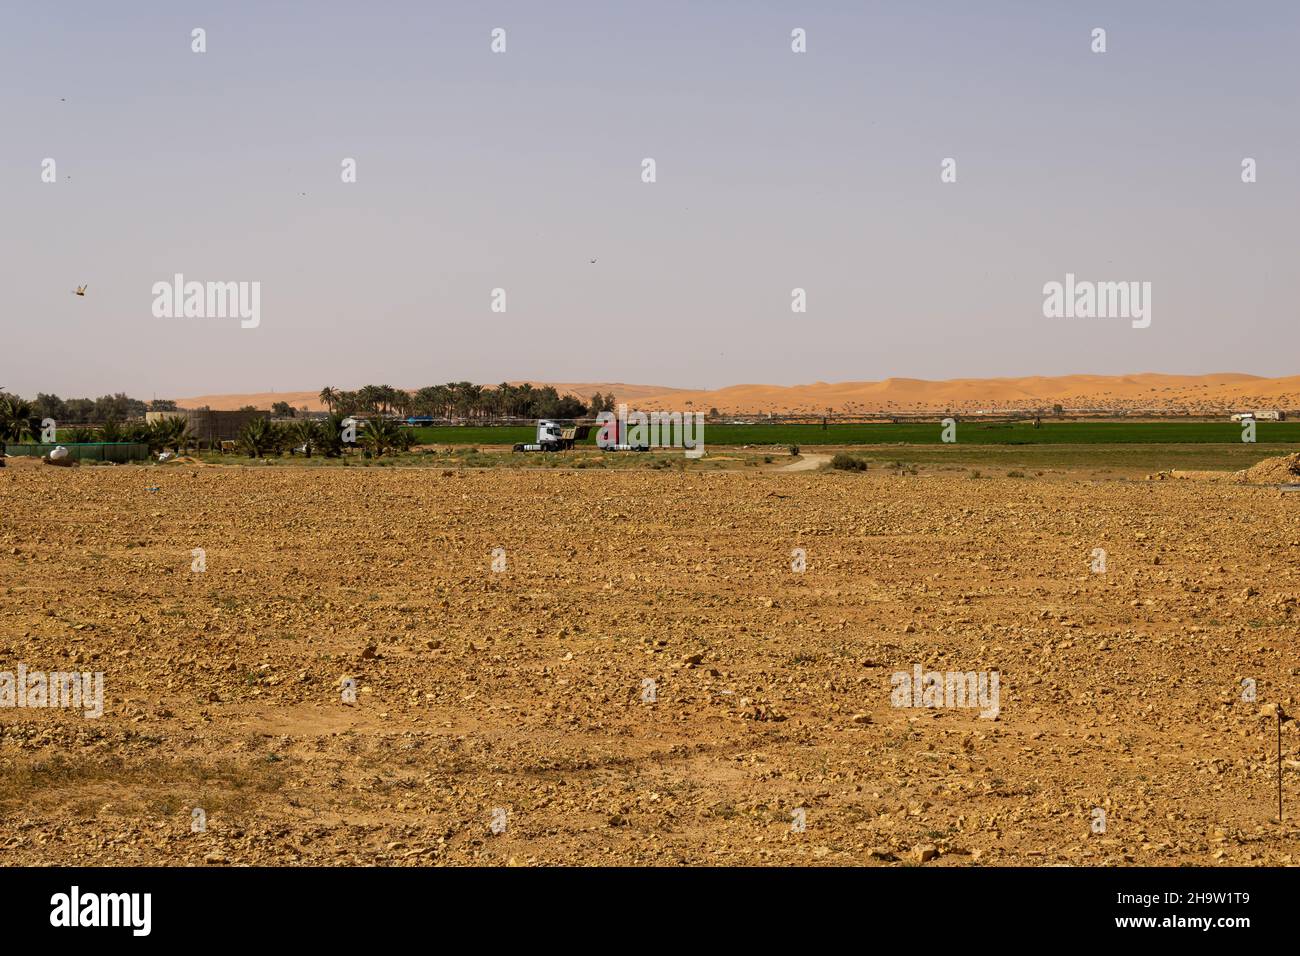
775 170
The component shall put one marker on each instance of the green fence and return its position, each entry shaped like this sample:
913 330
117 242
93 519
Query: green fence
118 452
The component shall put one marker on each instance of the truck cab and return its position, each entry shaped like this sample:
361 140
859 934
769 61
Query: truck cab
549 435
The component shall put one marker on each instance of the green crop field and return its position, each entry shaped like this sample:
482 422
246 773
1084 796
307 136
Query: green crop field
923 433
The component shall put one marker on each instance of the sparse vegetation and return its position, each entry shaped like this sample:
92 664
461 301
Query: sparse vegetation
846 462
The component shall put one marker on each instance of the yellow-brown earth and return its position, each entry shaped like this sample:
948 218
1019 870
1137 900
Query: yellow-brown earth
524 690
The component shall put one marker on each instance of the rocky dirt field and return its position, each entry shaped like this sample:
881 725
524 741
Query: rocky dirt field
638 675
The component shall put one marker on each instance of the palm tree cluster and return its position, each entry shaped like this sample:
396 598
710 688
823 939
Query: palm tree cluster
20 421
261 437
463 400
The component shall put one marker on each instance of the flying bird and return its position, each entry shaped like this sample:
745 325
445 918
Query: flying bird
593 262
81 290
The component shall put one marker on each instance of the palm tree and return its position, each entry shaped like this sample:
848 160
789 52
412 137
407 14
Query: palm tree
15 415
380 435
425 401
526 398
328 397
257 436
329 436
306 433
368 397
170 431
443 393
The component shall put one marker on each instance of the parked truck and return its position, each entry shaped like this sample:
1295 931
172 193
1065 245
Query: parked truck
551 436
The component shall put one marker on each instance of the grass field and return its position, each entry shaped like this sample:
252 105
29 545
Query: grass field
923 433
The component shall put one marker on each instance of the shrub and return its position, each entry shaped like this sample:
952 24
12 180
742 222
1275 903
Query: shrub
845 462
794 449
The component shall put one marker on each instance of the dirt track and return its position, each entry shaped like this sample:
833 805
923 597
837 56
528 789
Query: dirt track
523 690
809 462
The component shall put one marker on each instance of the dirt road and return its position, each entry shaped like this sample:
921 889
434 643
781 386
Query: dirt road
809 462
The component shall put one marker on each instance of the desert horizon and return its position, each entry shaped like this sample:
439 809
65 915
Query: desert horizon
1153 391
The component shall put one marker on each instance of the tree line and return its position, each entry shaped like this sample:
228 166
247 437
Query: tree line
75 411
464 400
455 400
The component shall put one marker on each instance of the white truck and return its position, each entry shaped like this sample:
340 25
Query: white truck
553 437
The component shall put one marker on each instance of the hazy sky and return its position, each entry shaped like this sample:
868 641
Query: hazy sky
775 170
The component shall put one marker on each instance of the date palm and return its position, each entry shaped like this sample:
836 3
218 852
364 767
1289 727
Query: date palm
257 437
307 433
15 415
380 435
170 431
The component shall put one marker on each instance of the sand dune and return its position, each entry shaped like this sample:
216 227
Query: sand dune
1117 392
1153 391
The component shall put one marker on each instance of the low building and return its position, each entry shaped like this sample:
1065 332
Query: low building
1266 415
209 427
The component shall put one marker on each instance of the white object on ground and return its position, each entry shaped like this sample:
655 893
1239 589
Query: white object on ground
59 453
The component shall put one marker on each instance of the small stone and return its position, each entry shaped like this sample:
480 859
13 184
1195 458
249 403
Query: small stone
925 853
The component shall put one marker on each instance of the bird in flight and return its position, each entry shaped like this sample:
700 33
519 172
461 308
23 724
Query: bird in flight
593 262
81 290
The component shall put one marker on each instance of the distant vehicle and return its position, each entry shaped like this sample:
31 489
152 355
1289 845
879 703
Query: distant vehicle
553 437
1269 415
